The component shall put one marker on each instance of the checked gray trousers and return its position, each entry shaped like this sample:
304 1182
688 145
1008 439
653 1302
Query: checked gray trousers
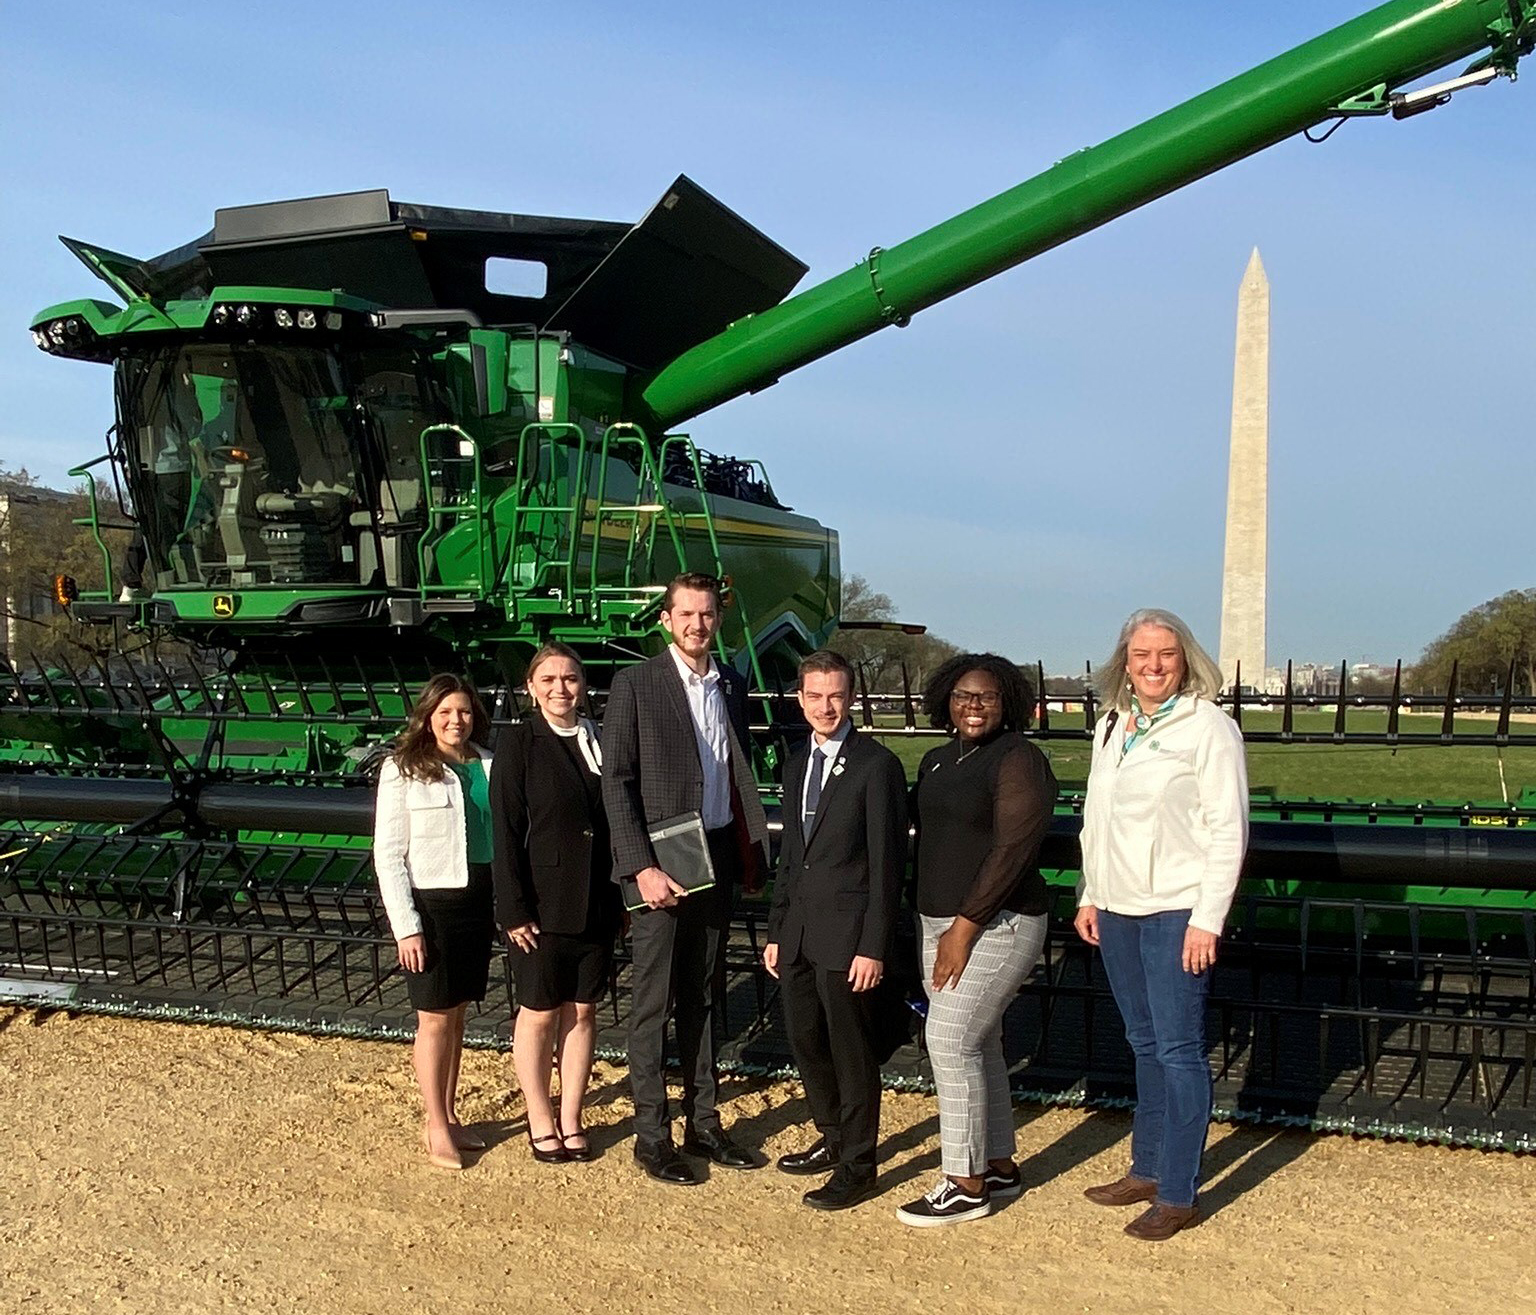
965 1038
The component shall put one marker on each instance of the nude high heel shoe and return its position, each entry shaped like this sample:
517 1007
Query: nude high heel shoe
436 1160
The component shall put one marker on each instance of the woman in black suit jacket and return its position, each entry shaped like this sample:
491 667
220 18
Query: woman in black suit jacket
554 896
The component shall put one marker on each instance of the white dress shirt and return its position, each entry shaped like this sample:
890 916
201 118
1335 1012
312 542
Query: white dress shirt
706 707
831 747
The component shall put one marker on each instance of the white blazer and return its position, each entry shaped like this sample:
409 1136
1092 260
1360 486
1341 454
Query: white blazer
420 841
1165 826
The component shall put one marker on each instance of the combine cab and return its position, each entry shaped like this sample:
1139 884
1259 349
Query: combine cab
358 440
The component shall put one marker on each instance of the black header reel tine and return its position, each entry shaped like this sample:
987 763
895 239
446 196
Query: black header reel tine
366 684
1288 706
53 694
1397 698
1506 703
1339 711
1448 717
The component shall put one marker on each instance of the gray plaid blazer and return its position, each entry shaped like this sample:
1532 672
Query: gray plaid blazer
651 768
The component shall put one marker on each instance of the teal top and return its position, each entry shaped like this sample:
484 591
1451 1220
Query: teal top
477 809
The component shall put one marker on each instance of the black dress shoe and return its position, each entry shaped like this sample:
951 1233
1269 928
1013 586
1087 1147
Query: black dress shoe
719 1149
847 1187
665 1165
821 1158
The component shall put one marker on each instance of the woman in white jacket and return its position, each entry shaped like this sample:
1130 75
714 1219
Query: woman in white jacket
1165 825
432 854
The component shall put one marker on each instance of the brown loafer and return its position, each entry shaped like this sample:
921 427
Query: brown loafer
1123 1191
1161 1222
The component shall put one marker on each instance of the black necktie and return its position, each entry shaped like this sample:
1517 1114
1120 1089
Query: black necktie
813 790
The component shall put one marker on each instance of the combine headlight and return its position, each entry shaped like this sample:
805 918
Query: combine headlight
56 333
245 316
40 338
220 315
306 319
72 327
333 320
283 317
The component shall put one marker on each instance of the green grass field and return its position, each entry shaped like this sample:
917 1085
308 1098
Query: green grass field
1446 773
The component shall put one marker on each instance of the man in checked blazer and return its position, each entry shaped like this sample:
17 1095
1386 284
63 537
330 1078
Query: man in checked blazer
829 932
675 740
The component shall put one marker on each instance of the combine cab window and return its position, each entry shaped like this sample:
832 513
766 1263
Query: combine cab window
244 465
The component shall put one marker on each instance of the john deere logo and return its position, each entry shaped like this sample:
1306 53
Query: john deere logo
223 604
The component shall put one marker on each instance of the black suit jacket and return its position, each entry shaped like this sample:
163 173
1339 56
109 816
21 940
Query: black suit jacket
837 890
551 834
651 768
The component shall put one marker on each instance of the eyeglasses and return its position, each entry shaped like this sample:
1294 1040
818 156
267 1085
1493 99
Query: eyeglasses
985 698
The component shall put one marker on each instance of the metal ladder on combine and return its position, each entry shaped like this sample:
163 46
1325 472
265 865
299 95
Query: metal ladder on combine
455 554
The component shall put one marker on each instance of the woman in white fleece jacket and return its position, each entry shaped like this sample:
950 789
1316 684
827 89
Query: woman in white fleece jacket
1165 825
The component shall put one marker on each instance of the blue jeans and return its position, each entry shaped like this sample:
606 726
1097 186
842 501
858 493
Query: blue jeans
1164 1011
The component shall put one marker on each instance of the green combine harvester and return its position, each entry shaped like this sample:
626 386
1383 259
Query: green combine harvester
358 440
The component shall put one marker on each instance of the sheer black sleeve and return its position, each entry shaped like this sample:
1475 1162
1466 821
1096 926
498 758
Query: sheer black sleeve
1023 798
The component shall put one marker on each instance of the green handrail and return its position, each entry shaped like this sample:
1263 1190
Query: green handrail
573 507
108 594
617 437
692 453
474 510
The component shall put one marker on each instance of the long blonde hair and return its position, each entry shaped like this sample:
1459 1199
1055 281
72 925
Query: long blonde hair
1202 677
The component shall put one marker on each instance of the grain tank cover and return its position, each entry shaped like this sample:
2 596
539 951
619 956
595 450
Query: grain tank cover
681 275
401 255
640 293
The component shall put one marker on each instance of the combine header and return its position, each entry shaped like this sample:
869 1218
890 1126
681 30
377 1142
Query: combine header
359 439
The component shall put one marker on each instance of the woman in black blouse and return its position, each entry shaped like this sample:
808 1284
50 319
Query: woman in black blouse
554 896
982 803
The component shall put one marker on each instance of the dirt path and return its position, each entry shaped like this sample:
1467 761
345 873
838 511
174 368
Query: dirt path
155 1167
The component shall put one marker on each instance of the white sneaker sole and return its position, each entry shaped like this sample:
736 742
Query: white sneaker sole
938 1221
1006 1191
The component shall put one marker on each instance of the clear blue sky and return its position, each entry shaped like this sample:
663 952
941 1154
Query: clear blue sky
1024 464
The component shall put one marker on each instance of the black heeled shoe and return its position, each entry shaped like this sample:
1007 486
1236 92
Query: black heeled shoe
581 1154
556 1156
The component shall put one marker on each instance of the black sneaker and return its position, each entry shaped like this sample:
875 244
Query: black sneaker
1003 1186
947 1203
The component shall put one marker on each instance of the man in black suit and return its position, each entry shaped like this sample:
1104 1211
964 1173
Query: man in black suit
675 740
834 906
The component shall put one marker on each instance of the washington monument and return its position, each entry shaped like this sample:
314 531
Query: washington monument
1243 573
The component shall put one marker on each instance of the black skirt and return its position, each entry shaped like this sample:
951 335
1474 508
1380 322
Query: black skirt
460 928
562 969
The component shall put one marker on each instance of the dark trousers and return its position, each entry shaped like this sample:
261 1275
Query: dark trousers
832 1037
676 954
1164 1011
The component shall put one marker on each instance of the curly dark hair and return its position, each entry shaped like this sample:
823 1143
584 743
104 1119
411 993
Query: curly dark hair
1018 694
416 750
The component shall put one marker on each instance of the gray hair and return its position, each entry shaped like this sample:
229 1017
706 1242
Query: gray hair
1202 677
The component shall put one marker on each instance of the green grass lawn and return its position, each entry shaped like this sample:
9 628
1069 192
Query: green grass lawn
1415 773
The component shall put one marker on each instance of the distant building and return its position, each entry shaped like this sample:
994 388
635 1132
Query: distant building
29 598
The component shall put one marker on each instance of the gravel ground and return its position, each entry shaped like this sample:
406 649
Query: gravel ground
158 1167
